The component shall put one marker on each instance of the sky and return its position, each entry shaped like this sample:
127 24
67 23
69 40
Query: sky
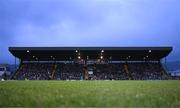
27 23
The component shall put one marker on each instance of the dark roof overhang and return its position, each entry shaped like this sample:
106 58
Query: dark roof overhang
69 53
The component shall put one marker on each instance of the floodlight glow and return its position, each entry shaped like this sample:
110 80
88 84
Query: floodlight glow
76 50
27 51
150 51
101 57
79 57
102 51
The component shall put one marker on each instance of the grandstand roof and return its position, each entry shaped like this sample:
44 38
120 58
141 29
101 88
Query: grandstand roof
71 53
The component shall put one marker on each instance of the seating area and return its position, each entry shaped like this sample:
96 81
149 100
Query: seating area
146 71
100 72
110 72
69 72
35 71
116 71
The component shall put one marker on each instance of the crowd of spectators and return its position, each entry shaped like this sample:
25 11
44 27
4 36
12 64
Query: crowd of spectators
146 71
35 71
116 71
110 72
100 72
69 72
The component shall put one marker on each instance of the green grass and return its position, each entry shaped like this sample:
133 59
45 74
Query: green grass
90 93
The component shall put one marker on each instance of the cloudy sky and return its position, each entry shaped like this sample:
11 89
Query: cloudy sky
89 23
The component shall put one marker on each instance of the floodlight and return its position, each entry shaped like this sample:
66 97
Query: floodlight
101 57
79 57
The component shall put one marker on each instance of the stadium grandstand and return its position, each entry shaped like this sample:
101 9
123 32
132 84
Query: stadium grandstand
90 63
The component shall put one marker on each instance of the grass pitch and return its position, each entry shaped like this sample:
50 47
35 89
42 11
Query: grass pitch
90 93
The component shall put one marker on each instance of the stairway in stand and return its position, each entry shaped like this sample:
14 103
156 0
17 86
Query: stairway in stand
127 71
17 72
54 70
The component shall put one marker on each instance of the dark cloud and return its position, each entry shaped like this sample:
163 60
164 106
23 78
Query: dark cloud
89 22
